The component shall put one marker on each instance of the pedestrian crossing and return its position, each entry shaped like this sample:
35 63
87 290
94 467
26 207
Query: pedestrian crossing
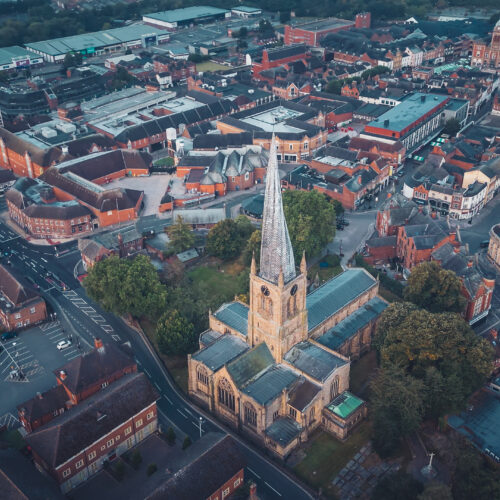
89 311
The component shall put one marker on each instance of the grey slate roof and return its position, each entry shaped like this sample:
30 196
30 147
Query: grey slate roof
234 315
341 332
335 294
313 360
250 364
270 384
283 430
302 394
220 352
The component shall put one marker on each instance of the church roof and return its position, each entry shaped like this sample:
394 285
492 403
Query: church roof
270 384
283 430
276 253
335 294
234 315
313 360
220 352
250 364
341 332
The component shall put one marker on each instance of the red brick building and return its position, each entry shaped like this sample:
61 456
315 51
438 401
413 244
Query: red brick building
20 305
477 289
280 56
488 55
177 68
77 444
26 159
312 32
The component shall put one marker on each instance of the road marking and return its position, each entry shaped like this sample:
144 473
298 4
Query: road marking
45 260
167 398
185 416
186 410
73 357
157 386
197 425
253 472
275 491
107 329
116 338
147 373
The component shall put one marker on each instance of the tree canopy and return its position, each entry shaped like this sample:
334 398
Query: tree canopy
435 289
175 334
311 221
228 237
126 286
397 486
181 236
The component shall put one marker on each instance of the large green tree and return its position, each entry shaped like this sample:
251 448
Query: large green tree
439 349
181 236
435 289
175 334
397 408
310 219
397 486
252 247
127 286
228 237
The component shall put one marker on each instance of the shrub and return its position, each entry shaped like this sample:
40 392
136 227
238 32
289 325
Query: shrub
170 436
151 469
136 459
187 442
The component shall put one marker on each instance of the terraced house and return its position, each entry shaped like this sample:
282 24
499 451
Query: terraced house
279 368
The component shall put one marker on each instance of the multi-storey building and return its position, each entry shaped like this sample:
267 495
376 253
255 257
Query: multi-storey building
487 55
20 305
312 32
77 444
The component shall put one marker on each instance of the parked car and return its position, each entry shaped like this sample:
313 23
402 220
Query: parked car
63 344
8 335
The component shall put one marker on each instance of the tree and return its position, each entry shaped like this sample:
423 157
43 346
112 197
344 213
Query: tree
284 16
311 221
242 33
397 407
334 87
441 350
126 286
397 486
435 289
252 248
224 240
136 459
181 236
175 334
170 436
452 127
436 491
186 443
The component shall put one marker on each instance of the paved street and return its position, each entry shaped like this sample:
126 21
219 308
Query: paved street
84 319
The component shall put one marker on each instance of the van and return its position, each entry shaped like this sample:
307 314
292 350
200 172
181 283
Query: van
8 335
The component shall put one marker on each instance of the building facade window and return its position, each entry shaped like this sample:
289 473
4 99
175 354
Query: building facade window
150 415
292 412
92 455
226 395
67 472
250 415
79 464
138 423
202 376
110 443
128 430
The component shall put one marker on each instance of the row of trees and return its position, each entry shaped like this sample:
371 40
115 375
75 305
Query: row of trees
431 361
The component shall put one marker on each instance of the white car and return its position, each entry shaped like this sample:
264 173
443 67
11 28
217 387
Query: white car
62 344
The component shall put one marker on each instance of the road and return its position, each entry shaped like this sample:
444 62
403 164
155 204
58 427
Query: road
86 319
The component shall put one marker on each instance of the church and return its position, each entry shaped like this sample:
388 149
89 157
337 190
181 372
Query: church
278 368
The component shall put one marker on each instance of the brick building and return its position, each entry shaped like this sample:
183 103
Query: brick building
280 56
78 443
179 70
487 55
20 305
494 245
312 32
476 288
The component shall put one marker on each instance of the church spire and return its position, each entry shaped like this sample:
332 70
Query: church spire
276 254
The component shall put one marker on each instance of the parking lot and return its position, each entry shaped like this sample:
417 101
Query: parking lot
26 365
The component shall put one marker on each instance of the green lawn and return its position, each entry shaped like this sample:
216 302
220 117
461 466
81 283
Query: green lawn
13 439
325 273
210 66
326 457
216 280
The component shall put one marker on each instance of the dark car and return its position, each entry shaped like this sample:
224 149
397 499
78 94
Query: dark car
8 335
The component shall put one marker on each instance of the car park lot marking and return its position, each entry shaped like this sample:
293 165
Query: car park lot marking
9 420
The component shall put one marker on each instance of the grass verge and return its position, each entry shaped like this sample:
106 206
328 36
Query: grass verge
209 66
325 457
325 269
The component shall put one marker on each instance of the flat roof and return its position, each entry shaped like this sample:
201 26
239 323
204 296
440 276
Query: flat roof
408 111
323 24
345 404
177 15
274 119
58 46
245 8
7 54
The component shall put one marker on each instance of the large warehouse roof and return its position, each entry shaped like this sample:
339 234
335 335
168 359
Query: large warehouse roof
77 43
179 15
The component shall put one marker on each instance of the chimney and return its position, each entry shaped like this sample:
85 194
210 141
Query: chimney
98 343
39 395
386 123
62 375
422 98
64 149
253 492
469 263
494 335
456 249
359 179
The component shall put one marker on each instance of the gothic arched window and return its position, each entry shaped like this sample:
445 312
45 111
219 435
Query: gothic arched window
334 389
202 375
250 415
226 395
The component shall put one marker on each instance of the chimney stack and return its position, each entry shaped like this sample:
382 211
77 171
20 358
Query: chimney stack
469 263
98 343
62 375
456 249
253 492
39 395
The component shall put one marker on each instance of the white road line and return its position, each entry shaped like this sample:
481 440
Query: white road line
45 260
167 398
185 416
187 411
157 386
253 472
197 426
275 491
73 357
147 373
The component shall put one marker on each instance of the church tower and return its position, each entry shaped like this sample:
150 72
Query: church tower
278 314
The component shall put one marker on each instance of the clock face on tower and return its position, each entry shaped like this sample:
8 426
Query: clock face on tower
264 290
293 291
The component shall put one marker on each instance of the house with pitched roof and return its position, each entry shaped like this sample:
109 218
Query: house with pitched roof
270 368
20 304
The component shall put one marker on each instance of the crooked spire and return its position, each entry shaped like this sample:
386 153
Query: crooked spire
276 253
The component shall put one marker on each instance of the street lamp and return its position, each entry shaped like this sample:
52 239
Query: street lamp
200 421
